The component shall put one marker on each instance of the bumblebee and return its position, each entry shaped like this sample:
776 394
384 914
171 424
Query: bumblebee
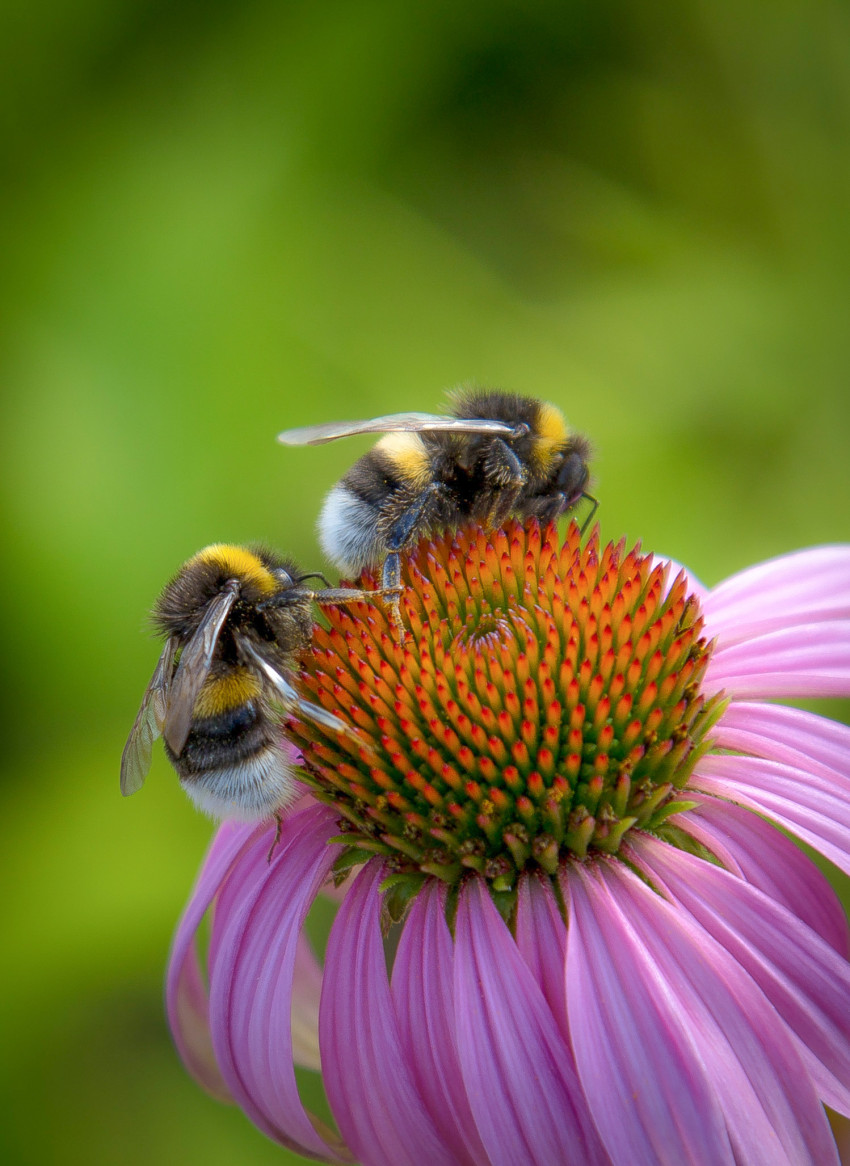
497 455
234 620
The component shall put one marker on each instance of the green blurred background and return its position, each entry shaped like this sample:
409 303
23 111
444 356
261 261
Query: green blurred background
219 219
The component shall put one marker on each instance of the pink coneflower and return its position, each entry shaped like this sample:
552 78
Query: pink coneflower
560 804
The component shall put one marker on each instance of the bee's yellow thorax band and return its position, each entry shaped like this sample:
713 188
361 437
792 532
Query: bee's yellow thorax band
408 454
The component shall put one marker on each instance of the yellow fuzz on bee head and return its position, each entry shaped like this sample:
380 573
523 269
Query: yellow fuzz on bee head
240 563
552 432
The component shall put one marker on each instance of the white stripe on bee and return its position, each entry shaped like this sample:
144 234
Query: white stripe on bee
246 793
348 531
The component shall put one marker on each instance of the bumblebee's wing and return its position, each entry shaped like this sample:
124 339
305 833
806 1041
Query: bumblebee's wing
392 423
289 697
194 667
136 758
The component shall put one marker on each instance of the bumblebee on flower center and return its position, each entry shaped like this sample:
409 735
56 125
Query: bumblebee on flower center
548 699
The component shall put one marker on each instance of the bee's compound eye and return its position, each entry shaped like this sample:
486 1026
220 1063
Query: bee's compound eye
572 476
283 577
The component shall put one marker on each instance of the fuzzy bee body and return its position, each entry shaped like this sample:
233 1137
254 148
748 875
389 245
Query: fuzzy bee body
497 455
233 763
362 509
234 619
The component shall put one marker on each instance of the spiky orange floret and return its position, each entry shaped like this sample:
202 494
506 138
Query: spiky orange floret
547 699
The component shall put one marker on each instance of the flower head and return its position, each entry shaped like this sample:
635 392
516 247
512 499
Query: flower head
557 792
547 701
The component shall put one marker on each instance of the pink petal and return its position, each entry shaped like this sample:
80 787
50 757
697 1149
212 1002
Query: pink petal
541 936
808 660
307 975
667 1027
806 587
759 853
642 1073
804 979
784 734
812 807
186 996
231 888
368 1079
240 880
519 1072
251 980
423 991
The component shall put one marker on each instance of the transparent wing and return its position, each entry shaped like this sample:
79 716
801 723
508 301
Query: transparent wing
194 667
392 423
136 758
289 697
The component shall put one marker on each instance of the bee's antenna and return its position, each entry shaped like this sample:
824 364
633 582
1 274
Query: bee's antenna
313 575
595 507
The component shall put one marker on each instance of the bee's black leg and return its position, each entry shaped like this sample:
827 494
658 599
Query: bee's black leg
391 573
506 476
548 508
343 595
392 591
389 592
413 518
278 828
504 505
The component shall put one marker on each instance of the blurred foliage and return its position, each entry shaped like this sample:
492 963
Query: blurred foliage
221 219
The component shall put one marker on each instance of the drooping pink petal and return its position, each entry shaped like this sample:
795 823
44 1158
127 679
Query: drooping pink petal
307 975
806 660
641 1069
682 1058
541 936
759 853
519 1072
186 996
806 587
252 979
816 810
240 879
307 980
241 874
784 734
368 1079
423 990
804 978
